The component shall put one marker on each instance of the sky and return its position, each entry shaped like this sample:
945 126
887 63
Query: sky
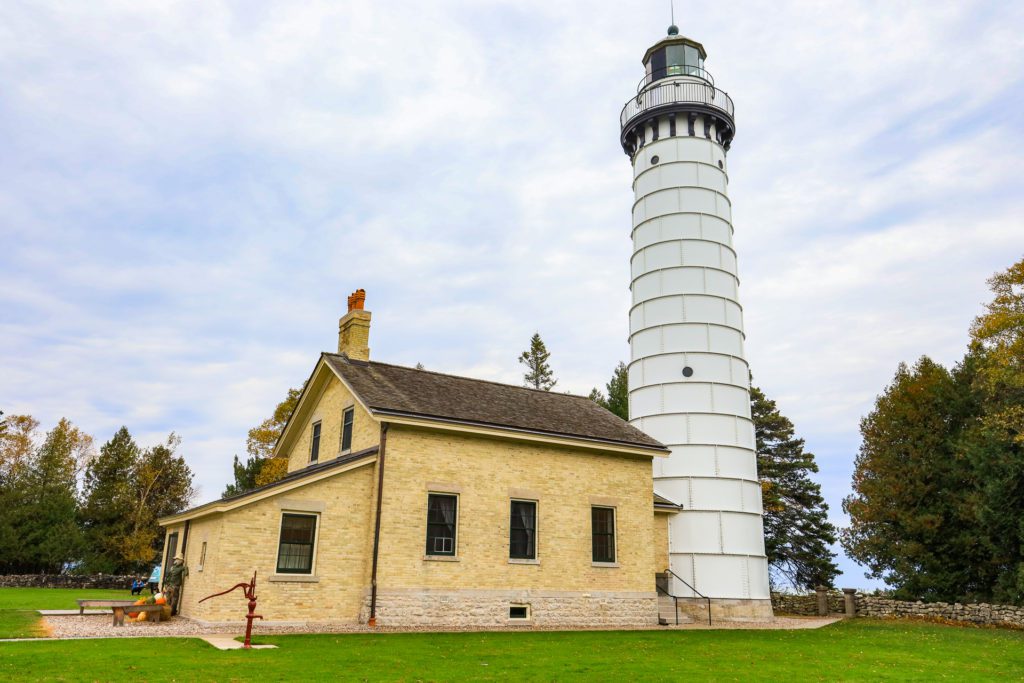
189 191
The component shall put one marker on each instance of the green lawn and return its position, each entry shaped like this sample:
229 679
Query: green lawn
18 618
861 650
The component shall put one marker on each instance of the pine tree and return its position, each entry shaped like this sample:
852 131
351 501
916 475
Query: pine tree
796 527
107 512
538 373
617 400
46 519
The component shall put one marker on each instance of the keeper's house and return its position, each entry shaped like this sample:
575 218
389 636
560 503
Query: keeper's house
417 498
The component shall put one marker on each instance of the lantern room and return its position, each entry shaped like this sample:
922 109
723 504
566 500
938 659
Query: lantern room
675 56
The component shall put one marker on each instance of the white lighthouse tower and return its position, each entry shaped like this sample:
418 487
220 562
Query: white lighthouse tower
689 385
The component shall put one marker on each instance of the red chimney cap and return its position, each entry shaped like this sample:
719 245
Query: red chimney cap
356 300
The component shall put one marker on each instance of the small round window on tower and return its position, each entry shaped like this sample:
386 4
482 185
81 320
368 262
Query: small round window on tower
720 164
687 371
655 159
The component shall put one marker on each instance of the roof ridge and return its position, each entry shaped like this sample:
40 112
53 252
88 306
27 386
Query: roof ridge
472 379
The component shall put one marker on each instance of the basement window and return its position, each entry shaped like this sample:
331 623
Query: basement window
518 611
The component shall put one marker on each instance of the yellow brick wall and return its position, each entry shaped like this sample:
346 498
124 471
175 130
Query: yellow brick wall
246 539
487 473
328 410
661 556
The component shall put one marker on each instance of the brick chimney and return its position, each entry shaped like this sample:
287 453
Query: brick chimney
354 328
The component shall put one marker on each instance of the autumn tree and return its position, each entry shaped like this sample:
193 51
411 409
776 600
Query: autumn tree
161 485
797 533
538 374
995 443
261 467
17 444
617 398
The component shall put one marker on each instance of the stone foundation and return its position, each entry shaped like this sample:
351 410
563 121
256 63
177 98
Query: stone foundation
726 609
489 609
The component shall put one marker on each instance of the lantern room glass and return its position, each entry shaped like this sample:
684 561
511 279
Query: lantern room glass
675 60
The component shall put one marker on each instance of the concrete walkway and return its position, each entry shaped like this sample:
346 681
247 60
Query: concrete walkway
70 612
229 643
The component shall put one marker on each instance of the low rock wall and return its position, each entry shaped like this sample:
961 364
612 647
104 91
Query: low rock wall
66 581
805 604
980 613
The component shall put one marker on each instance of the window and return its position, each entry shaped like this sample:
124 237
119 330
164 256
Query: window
441 517
202 556
314 447
522 542
346 428
295 552
603 530
518 611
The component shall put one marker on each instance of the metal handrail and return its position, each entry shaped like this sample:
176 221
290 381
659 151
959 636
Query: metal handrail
675 70
669 570
672 92
675 600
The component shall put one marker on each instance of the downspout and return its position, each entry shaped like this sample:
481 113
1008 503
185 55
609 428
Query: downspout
184 546
376 528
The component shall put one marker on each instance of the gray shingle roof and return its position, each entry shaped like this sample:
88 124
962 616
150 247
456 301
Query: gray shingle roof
397 390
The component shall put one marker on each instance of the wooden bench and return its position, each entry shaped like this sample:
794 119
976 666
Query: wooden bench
119 608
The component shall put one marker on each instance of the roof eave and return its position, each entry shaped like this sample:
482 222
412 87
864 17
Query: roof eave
417 419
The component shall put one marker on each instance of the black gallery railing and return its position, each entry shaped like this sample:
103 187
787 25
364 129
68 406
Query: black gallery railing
676 92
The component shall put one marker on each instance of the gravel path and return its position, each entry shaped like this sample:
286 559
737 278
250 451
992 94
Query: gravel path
100 627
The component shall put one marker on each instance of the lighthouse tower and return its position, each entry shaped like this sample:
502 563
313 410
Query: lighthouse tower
689 385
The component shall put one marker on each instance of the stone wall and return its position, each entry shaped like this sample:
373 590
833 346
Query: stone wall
805 604
67 581
981 613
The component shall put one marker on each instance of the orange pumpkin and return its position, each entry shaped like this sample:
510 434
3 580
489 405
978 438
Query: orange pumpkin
161 600
140 601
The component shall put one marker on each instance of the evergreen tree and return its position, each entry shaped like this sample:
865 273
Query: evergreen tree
914 513
538 373
796 527
46 521
109 505
617 400
245 476
261 467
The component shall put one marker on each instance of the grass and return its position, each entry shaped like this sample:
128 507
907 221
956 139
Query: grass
860 650
18 617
